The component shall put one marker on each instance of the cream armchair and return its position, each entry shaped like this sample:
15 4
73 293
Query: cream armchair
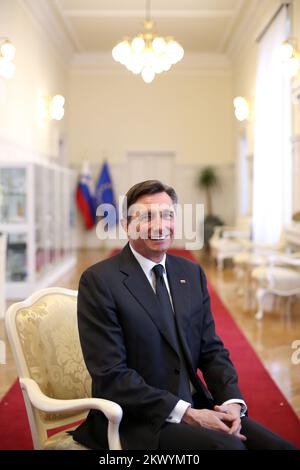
279 277
56 385
253 255
227 241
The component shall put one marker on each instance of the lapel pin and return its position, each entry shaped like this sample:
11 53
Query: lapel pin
182 281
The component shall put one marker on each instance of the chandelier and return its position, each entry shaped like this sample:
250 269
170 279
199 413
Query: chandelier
148 53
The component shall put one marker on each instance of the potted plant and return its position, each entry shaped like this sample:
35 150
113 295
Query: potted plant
208 180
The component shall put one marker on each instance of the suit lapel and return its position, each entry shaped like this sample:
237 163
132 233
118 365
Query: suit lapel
138 285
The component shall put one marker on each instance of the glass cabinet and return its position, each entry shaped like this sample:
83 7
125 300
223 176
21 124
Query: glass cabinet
37 215
13 202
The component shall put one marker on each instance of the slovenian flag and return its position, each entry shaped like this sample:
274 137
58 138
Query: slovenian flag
85 196
104 194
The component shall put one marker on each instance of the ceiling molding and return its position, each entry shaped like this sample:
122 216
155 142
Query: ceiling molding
68 25
193 64
174 72
49 24
230 26
251 25
155 14
262 26
56 23
243 32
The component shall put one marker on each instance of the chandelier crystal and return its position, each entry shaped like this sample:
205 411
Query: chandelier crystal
148 53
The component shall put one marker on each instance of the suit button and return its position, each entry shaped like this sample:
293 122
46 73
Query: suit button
177 371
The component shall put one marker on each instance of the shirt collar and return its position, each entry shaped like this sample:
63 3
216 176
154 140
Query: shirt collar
147 264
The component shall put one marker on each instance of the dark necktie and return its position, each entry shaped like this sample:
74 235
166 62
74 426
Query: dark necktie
164 299
167 312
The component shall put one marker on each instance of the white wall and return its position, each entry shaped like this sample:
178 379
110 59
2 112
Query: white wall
189 114
113 114
40 70
183 179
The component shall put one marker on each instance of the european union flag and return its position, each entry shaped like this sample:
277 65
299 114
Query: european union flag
104 194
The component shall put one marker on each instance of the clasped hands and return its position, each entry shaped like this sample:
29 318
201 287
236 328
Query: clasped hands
224 418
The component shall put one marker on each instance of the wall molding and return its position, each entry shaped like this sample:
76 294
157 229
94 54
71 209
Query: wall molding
252 25
243 31
13 151
103 63
184 177
105 13
50 25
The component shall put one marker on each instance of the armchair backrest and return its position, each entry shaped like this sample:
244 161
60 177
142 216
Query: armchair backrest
43 334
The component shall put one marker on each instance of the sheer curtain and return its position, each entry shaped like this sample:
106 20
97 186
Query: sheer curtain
272 176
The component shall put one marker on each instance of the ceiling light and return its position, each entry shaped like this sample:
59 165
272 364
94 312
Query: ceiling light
50 108
148 53
241 108
290 56
7 54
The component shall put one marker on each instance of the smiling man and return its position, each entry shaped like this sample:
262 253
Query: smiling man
145 327
150 223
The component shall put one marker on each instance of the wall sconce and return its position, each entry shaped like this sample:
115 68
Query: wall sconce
51 108
56 108
7 54
290 57
241 108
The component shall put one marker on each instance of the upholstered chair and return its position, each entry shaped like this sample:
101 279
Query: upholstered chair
253 255
279 277
227 241
56 385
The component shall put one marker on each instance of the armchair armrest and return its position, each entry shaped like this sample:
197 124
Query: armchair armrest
236 233
230 231
289 260
110 409
263 249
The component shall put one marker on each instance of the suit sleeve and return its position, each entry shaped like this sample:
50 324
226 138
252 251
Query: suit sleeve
215 364
104 353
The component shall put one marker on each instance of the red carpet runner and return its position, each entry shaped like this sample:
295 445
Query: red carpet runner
265 401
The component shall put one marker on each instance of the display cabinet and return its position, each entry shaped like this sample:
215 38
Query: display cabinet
2 277
37 213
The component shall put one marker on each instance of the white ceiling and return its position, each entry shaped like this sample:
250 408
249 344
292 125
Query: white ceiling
201 26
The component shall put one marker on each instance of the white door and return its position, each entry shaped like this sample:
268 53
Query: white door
151 165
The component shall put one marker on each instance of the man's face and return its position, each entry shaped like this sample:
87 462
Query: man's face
151 226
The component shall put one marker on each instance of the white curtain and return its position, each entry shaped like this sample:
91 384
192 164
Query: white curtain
272 175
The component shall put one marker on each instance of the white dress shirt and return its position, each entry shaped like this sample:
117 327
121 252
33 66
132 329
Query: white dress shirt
147 266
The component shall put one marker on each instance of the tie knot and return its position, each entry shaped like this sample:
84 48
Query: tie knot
158 270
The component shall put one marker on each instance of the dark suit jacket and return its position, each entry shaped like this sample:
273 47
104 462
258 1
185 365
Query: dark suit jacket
130 356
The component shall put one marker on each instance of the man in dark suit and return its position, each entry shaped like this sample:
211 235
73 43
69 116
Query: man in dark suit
145 327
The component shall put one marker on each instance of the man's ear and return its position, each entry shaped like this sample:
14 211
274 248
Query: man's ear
124 224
